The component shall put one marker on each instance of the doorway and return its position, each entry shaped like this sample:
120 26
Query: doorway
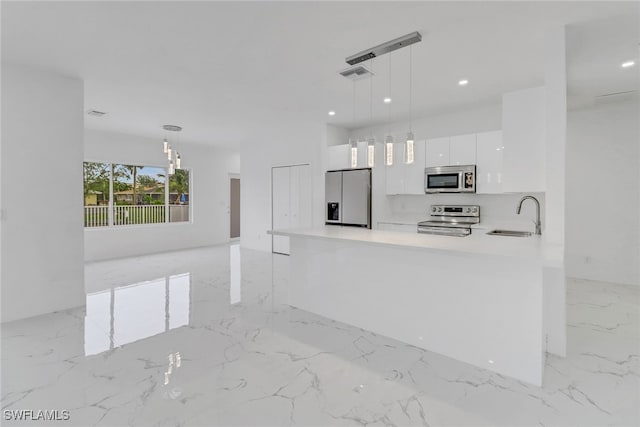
234 207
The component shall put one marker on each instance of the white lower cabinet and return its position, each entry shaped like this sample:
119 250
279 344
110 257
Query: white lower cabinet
405 178
489 150
291 202
390 226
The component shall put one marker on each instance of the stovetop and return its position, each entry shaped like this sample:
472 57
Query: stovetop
451 220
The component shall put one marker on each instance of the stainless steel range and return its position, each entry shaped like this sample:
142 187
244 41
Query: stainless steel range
450 220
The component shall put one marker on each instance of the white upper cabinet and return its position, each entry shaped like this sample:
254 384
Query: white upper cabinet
462 149
437 152
524 134
339 157
362 154
489 162
403 178
414 173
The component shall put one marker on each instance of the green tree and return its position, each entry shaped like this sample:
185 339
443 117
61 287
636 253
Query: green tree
127 172
96 179
146 181
179 182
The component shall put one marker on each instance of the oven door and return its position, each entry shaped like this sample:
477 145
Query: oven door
442 182
450 179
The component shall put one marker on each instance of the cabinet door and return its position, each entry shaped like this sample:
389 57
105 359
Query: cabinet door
304 208
396 172
281 205
414 173
362 154
489 162
462 150
300 196
405 228
437 152
524 137
339 157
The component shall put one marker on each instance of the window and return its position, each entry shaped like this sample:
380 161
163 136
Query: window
117 194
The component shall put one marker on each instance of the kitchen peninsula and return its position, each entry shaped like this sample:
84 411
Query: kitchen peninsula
494 302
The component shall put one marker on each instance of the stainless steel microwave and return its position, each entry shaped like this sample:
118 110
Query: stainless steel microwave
450 179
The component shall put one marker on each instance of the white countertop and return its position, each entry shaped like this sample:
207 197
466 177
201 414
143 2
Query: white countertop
489 224
478 243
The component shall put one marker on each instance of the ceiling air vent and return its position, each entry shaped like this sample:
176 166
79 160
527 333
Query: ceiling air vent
96 113
615 96
356 73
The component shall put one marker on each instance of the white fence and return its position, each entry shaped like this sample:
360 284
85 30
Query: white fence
98 216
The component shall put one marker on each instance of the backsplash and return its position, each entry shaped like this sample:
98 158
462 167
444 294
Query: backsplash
493 207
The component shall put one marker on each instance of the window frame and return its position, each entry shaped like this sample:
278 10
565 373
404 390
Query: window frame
110 225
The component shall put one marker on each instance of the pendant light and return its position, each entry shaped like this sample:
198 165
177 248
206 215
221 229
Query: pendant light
409 156
371 141
388 139
172 155
354 152
353 142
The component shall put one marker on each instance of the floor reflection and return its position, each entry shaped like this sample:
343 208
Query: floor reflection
235 274
126 314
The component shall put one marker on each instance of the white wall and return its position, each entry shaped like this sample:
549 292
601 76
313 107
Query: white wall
42 238
209 197
473 120
602 200
284 144
556 130
337 135
495 209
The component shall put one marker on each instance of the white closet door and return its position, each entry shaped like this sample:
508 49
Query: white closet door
281 200
302 191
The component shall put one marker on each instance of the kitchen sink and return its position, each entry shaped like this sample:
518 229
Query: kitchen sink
510 233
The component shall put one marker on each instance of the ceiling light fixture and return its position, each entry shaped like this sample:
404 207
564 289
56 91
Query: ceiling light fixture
332 113
463 82
96 113
409 155
387 100
628 64
175 161
383 48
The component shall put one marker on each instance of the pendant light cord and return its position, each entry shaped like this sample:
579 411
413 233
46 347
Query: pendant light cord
353 116
371 98
390 97
410 87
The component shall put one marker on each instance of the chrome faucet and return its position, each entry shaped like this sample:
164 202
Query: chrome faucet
537 222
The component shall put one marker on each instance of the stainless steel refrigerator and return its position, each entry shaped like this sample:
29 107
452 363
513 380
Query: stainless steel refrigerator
348 197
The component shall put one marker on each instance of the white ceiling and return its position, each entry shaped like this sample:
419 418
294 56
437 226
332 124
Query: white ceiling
226 71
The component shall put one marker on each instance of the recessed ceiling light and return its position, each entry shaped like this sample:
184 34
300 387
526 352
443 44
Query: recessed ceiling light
387 100
463 82
332 113
628 64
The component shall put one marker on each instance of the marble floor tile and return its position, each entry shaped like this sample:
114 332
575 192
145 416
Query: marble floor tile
204 337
